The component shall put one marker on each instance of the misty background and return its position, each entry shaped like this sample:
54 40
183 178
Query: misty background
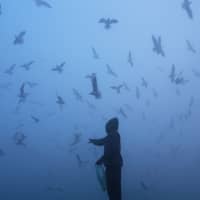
159 128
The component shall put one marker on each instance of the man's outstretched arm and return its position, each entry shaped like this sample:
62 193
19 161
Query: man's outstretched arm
98 142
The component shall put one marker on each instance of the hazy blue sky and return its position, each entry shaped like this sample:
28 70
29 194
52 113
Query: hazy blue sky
160 147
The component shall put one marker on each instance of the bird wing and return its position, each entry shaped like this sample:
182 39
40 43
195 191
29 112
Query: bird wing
114 21
102 20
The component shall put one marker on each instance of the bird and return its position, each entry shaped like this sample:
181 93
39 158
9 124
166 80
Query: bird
157 42
130 59
190 47
117 88
22 95
186 5
59 68
27 66
19 39
95 54
10 70
108 22
42 3
110 71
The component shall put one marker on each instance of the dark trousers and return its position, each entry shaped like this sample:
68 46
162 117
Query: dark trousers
113 181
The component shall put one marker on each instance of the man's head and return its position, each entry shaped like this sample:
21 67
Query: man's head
112 125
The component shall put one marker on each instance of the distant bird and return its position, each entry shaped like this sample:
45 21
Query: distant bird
19 39
158 46
91 106
117 88
122 112
110 71
143 185
60 100
31 84
0 9
186 5
180 80
35 119
19 138
77 95
108 22
80 161
2 153
126 86
130 59
27 66
144 83
95 54
77 139
137 92
59 68
10 70
22 94
42 3
95 90
155 93
190 47
196 73
172 75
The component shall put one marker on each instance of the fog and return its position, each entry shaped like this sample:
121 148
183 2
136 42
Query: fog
41 135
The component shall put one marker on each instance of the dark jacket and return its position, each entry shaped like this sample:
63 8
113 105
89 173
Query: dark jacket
112 145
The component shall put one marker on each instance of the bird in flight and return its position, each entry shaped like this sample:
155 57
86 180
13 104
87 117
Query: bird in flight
42 3
108 22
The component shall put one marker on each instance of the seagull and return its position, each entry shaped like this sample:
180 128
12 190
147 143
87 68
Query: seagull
19 39
59 68
117 88
158 46
130 59
42 3
108 22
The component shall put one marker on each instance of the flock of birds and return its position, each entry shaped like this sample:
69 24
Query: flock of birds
175 77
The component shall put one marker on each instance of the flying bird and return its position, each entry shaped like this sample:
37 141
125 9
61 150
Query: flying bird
122 112
0 9
186 5
22 94
77 95
60 100
196 73
31 84
172 74
19 138
137 92
35 119
27 66
117 88
19 39
59 68
144 83
110 71
108 22
95 90
10 70
190 47
95 54
42 3
130 59
2 153
157 42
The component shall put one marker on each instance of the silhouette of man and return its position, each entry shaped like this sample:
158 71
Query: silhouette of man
111 158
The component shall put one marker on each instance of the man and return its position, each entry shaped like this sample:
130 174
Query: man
111 158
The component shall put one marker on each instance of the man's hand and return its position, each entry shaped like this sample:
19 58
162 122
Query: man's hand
99 162
91 141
